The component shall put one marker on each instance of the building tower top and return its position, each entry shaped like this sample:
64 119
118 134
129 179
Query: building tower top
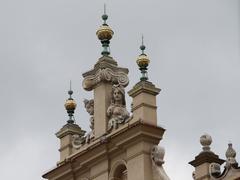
143 62
104 34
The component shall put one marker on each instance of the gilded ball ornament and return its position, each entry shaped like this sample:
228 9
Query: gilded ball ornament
143 61
70 104
104 32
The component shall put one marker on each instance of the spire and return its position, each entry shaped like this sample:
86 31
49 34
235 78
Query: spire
104 34
143 62
70 105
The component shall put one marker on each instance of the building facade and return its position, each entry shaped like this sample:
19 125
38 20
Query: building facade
123 145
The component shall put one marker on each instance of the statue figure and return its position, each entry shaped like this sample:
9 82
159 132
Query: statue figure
157 155
117 111
89 105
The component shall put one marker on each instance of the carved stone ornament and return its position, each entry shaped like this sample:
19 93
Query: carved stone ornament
77 141
89 105
214 170
194 175
231 156
206 141
106 74
157 155
117 111
230 168
90 136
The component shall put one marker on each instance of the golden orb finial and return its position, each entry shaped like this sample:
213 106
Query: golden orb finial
105 34
70 105
143 62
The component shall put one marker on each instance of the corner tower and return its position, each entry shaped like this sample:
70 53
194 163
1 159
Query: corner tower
120 145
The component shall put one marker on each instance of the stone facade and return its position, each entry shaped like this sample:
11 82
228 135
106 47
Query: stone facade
121 152
120 145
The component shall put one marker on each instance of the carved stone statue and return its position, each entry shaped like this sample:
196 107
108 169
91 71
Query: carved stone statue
157 155
117 111
89 105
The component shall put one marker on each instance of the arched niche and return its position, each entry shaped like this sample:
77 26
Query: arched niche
118 171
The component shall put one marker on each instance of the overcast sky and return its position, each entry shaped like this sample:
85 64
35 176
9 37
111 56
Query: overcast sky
195 60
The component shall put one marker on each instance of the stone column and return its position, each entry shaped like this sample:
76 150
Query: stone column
65 136
102 100
144 106
105 73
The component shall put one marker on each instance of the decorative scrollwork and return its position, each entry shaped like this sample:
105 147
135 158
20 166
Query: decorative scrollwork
106 74
77 141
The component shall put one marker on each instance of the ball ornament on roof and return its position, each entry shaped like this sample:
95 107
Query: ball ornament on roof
70 105
105 34
206 141
143 62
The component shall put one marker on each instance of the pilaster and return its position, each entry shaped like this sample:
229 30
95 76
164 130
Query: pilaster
144 102
100 79
65 136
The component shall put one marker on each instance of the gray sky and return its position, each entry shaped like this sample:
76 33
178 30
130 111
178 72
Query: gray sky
194 51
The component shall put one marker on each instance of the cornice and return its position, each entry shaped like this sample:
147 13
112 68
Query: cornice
101 149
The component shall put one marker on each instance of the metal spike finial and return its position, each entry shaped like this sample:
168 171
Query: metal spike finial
104 16
142 47
104 8
70 92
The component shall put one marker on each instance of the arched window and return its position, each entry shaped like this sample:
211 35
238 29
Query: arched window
118 171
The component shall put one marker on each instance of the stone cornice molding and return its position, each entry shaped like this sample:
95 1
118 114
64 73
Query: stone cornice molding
70 129
100 150
206 157
144 87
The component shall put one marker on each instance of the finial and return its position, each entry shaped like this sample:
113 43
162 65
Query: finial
206 141
231 155
143 62
105 16
104 34
70 105
70 92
